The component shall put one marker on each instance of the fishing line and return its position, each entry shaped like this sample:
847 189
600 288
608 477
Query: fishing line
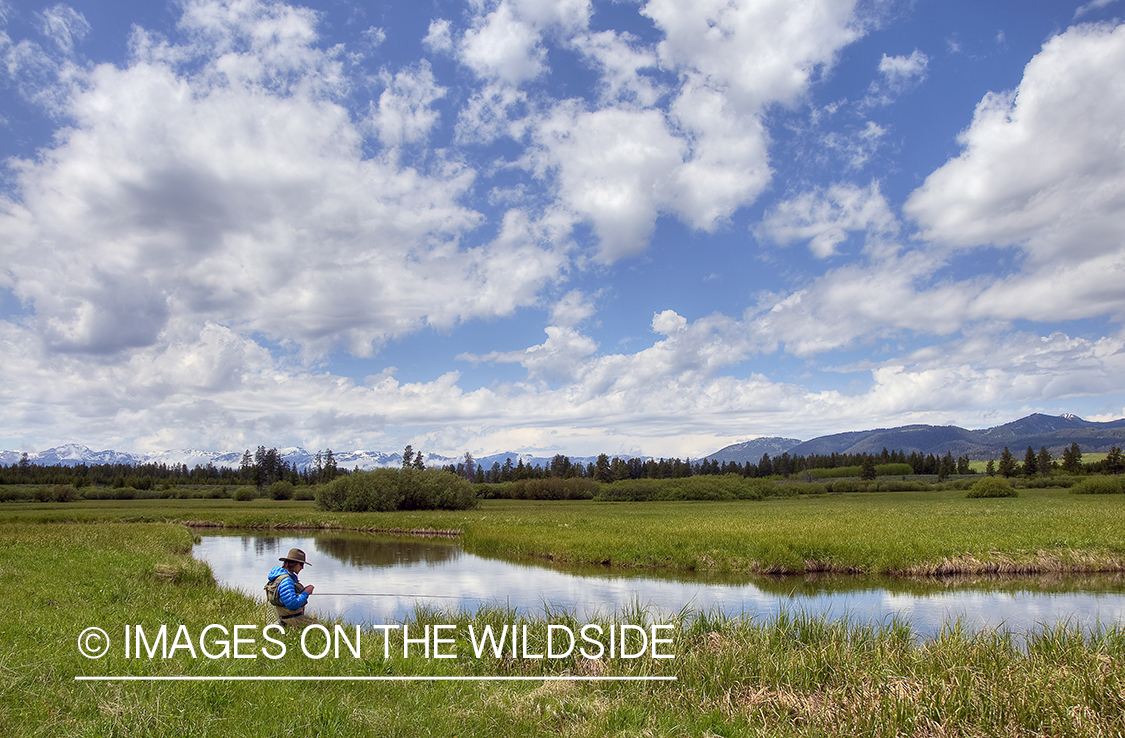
393 594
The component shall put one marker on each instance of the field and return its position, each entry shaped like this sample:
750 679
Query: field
795 676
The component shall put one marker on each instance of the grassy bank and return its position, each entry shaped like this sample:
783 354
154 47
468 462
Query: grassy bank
899 533
795 676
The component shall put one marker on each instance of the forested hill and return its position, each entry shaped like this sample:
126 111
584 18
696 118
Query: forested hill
753 450
1055 432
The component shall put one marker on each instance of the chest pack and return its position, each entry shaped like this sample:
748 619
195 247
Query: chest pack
272 586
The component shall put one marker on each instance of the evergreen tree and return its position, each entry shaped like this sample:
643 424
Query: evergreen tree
601 469
1043 461
1114 463
1007 463
1072 459
990 468
867 468
1030 463
408 457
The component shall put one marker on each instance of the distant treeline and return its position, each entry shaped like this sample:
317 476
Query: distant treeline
783 466
266 466
260 469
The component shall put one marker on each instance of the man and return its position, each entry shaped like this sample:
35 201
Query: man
286 593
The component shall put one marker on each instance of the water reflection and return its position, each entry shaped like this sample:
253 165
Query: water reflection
369 579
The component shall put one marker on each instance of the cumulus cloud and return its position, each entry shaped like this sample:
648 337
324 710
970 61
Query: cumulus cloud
503 47
222 180
1042 166
677 128
825 218
403 113
439 38
1043 169
900 74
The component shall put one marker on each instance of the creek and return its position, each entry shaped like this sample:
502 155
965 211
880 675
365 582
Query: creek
373 579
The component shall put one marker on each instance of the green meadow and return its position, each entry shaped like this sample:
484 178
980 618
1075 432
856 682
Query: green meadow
898 533
111 563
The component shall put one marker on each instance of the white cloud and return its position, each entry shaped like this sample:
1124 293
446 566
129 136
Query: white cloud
614 168
221 181
403 114
1043 166
374 36
64 25
1091 6
1043 169
573 308
824 218
503 47
621 59
901 73
440 37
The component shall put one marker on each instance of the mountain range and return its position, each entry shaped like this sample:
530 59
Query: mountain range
1055 432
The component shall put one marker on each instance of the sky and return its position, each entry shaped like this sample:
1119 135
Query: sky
636 227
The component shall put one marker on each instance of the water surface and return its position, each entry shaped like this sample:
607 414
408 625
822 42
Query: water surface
371 579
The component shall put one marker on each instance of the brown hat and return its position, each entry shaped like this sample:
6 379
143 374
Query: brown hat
297 555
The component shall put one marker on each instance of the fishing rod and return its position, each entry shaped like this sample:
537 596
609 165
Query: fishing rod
394 594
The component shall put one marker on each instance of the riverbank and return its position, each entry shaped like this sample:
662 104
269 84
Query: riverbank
892 533
795 676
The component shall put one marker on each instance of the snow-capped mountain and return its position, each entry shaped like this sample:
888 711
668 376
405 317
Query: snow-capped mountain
74 454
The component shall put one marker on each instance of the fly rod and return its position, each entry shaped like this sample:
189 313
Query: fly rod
394 594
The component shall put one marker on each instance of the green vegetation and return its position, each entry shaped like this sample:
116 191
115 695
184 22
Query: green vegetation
383 490
992 487
796 676
936 531
1099 486
881 470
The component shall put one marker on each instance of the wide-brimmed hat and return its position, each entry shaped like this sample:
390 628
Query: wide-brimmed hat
297 555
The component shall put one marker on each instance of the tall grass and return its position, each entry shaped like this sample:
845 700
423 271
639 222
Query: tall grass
916 533
797 675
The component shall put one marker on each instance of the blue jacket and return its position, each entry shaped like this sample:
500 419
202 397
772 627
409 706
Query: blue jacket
286 592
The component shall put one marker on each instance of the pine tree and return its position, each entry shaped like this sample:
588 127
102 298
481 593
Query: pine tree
1043 462
1007 463
1030 463
867 468
1114 463
1072 459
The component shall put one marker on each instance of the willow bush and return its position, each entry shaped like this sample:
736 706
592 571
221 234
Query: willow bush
383 490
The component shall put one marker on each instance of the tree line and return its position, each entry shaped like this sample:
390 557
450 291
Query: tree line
267 466
261 469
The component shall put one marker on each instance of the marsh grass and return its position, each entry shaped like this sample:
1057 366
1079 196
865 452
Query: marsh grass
796 675
901 533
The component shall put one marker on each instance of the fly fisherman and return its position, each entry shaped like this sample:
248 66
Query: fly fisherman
286 593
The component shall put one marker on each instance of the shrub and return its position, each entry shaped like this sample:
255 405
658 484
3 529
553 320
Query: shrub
382 490
992 487
554 488
1099 486
281 490
245 494
708 487
846 485
305 493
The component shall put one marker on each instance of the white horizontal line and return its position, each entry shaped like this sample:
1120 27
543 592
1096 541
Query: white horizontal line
375 678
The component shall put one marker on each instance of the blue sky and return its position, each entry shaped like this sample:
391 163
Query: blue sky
652 227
